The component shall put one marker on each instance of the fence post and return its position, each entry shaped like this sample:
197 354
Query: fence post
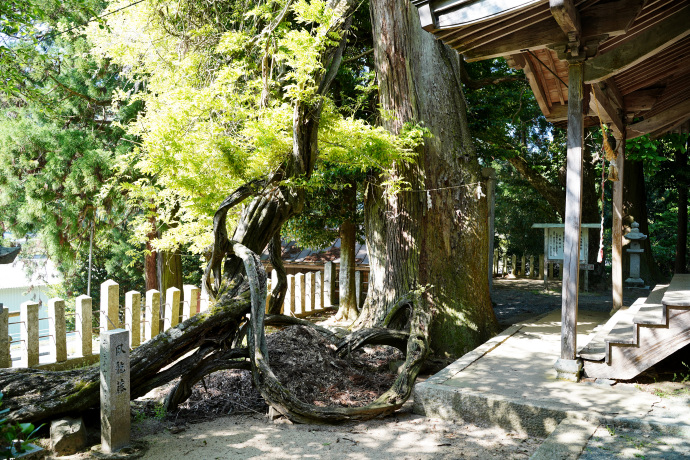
542 268
171 318
328 284
5 359
56 330
110 305
289 304
133 317
191 297
28 333
153 313
83 325
310 292
358 289
318 281
299 294
531 266
115 380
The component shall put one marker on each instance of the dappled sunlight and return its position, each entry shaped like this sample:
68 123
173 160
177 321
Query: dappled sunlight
514 384
395 437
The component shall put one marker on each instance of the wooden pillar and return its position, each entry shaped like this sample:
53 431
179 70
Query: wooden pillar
617 230
573 212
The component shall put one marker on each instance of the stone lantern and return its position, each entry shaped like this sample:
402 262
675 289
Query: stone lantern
635 250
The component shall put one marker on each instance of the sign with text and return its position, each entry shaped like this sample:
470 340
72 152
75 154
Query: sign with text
555 240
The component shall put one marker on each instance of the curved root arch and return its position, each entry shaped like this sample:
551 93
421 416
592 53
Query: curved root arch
280 398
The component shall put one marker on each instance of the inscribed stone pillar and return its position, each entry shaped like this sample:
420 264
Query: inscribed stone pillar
299 294
28 333
172 308
115 411
57 331
133 317
310 292
83 326
513 262
191 300
110 305
318 281
153 313
5 360
289 303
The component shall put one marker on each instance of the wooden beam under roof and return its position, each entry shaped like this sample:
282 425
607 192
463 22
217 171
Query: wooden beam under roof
523 62
607 104
567 17
668 117
643 46
595 24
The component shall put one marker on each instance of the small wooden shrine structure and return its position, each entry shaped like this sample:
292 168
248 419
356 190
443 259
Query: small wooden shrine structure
624 62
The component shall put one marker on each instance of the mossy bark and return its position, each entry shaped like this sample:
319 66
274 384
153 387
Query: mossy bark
434 236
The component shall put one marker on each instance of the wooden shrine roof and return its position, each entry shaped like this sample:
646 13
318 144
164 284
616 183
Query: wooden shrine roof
637 53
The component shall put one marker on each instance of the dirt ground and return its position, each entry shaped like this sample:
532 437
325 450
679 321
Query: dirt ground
226 417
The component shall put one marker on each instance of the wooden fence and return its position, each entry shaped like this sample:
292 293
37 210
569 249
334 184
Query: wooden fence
524 266
144 316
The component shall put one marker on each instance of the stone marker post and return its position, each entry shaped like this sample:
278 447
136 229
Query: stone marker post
82 325
523 268
28 333
191 298
299 294
289 303
328 284
153 313
115 411
57 330
171 318
513 262
531 266
5 360
110 305
133 317
318 304
358 289
310 292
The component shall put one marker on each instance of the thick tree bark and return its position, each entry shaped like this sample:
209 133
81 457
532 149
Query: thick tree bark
432 238
37 395
681 176
347 307
150 259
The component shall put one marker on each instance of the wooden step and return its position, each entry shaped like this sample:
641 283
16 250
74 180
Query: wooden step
619 325
660 326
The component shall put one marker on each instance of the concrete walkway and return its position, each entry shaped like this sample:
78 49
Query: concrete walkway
510 381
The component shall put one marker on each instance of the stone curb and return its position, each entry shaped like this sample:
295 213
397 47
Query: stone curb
567 441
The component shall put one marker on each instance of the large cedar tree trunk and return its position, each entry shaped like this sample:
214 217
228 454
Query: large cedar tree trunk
347 308
435 240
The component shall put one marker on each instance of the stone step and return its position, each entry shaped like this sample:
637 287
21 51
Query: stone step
618 328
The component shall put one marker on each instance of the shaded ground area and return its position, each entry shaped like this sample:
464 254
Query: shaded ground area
517 300
226 416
